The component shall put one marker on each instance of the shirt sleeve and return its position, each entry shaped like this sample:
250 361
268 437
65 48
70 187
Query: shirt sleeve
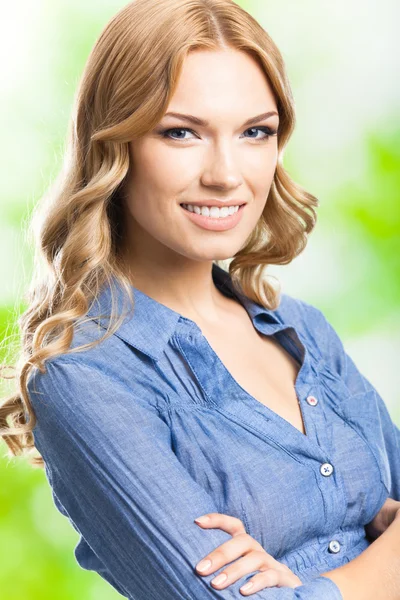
363 399
115 476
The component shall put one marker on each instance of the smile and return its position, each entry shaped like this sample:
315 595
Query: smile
214 218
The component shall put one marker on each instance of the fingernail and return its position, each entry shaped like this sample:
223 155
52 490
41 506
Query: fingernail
246 587
202 520
203 565
220 579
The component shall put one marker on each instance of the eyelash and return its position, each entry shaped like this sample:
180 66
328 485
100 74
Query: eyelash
270 132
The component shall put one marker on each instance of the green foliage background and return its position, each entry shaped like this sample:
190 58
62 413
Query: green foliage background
342 62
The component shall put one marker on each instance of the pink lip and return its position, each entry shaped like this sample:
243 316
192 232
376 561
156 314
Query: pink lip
218 224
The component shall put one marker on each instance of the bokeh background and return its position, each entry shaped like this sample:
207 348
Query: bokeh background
343 62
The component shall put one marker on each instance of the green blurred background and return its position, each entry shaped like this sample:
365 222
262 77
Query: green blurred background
343 63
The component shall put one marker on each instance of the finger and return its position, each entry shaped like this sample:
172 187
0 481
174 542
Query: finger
224 554
265 579
227 523
273 577
230 524
253 561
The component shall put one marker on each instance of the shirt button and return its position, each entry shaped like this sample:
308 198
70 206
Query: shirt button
326 469
312 400
334 546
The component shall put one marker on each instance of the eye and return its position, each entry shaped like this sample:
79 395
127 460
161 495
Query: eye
268 132
166 133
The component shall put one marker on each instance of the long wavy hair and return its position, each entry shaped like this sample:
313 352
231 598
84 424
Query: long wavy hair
124 91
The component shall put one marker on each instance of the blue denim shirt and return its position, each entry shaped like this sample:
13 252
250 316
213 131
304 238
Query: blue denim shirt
149 430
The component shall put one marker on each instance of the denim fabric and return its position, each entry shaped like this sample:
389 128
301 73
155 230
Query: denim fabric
149 430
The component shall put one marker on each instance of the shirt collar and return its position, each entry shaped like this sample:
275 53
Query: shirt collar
151 325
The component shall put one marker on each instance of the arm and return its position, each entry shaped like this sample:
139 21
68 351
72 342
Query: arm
114 473
375 573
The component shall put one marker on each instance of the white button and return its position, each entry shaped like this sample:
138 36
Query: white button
334 546
312 400
326 469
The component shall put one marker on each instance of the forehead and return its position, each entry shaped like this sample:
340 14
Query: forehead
212 81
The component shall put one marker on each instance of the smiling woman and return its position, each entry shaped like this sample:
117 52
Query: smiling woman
154 385
228 153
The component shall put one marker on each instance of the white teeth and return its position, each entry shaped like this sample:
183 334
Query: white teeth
212 211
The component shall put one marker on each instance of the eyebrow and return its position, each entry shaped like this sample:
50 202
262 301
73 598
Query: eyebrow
203 123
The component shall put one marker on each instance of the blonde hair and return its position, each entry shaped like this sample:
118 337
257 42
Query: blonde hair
125 89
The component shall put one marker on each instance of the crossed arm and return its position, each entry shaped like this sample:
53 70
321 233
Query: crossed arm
101 467
117 479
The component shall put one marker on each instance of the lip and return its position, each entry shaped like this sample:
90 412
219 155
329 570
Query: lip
216 224
212 202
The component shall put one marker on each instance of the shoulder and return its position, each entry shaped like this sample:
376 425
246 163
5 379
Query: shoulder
105 376
301 313
97 358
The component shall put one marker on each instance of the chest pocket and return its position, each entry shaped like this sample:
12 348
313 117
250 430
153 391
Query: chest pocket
360 412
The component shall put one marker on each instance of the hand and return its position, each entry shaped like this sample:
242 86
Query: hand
254 558
389 511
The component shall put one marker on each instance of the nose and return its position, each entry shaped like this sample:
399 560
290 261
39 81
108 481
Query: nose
222 170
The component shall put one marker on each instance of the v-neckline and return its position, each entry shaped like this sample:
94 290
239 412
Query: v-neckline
225 394
268 409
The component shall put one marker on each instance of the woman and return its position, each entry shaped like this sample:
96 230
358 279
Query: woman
158 386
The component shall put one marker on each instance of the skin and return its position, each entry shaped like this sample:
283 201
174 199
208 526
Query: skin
170 258
389 511
253 557
166 255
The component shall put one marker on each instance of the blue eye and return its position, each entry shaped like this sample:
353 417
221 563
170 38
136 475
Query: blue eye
267 130
166 133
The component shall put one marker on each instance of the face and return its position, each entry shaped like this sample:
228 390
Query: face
224 160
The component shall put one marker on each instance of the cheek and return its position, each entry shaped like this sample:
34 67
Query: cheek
153 192
165 168
272 156
262 176
260 165
156 169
